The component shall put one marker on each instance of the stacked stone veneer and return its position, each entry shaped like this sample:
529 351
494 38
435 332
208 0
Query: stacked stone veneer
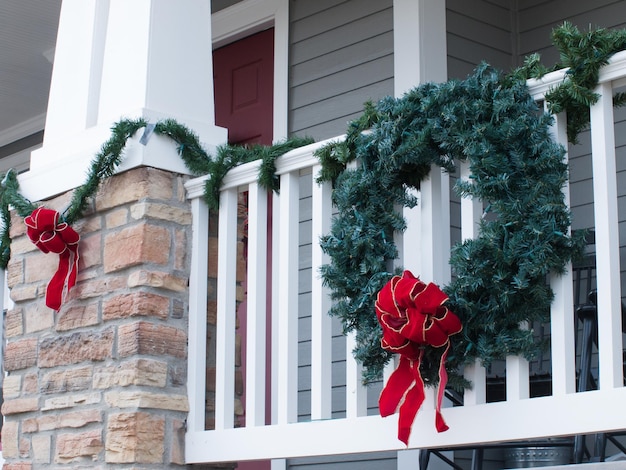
102 382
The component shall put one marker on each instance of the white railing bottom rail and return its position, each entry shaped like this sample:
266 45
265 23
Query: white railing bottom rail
302 402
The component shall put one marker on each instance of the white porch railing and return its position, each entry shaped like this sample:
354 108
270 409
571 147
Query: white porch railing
354 429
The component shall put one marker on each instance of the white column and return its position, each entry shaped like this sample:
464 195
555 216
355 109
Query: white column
77 61
420 56
116 59
419 37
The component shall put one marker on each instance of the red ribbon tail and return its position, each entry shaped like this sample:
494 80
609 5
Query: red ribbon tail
54 291
412 403
399 382
64 278
71 278
440 423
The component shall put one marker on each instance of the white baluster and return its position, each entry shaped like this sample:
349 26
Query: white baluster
321 331
226 311
562 315
287 327
196 366
607 239
471 213
256 303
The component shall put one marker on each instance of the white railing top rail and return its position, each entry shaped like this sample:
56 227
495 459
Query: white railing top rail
614 71
565 412
294 160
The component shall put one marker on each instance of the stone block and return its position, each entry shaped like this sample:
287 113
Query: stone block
11 386
71 419
181 253
76 347
20 354
158 279
18 227
146 372
151 339
10 439
179 308
71 400
67 380
159 211
72 447
19 247
90 251
97 286
88 224
39 266
137 303
135 438
117 218
177 455
137 244
17 466
135 185
22 292
37 317
143 399
13 323
41 448
31 384
15 270
19 405
77 316
24 447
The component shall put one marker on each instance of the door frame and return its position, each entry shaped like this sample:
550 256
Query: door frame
251 16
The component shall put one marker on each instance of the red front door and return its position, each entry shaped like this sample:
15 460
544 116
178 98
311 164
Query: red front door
244 88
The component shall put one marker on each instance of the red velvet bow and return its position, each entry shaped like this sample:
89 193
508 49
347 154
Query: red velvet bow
50 236
412 316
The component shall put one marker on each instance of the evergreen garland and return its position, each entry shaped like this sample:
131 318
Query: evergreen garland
583 54
229 157
103 166
490 120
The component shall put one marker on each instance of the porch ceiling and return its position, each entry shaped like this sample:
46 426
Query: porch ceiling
28 30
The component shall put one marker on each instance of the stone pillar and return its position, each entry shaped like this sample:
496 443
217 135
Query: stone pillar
102 382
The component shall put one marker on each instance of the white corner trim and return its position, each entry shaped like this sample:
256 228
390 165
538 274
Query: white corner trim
242 19
281 71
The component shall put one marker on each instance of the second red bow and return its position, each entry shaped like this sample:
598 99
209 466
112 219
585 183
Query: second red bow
412 316
50 236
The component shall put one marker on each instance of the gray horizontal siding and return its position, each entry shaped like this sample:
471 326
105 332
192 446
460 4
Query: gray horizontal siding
537 19
341 55
477 31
